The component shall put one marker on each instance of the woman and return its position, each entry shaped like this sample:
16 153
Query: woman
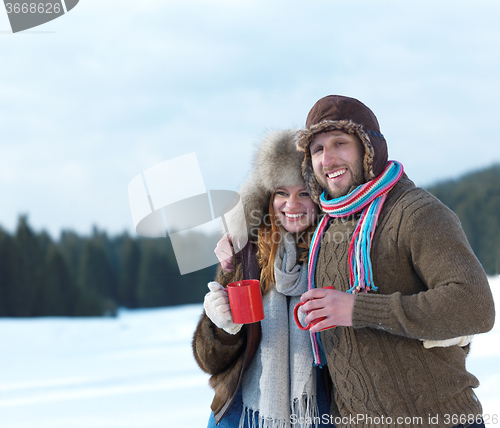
263 373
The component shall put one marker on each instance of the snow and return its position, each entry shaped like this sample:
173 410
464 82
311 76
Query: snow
137 371
134 371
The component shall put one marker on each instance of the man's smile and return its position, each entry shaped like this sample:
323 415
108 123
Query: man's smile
337 173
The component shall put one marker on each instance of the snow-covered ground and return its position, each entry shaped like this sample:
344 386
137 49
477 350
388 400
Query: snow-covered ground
137 371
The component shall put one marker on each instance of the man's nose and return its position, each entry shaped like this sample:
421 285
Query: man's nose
329 156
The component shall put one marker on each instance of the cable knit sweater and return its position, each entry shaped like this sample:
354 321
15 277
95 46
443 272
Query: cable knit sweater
430 286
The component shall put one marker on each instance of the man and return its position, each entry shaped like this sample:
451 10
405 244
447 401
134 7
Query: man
407 284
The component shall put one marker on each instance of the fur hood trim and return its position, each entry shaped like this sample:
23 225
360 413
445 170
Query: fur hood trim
276 163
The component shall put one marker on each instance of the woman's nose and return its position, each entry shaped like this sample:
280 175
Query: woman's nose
293 202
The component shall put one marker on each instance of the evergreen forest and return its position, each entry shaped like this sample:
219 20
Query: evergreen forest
475 199
90 276
95 275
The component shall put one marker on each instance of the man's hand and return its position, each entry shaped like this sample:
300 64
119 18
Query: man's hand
224 252
334 305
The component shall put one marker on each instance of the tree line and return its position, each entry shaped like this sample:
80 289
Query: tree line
475 199
94 275
90 276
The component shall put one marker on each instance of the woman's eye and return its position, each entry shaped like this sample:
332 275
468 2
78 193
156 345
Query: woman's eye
281 193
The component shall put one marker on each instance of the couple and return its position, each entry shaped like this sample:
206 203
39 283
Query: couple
408 290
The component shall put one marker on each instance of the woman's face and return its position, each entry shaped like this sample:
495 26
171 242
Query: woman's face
294 208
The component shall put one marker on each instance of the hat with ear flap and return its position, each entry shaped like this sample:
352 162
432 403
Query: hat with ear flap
336 112
276 163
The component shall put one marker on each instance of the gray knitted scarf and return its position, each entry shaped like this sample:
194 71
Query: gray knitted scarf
280 381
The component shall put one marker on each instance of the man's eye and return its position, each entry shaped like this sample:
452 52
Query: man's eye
317 149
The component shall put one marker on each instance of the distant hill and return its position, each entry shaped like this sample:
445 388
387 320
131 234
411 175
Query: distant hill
475 198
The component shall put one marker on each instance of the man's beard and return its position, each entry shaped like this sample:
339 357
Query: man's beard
357 178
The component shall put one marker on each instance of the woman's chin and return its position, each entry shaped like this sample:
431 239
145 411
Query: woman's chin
294 227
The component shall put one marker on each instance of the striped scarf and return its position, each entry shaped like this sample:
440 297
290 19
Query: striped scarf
369 198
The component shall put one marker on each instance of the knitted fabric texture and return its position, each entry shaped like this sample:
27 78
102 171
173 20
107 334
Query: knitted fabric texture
430 286
368 198
280 380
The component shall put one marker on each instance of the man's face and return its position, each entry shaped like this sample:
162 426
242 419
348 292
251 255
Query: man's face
337 160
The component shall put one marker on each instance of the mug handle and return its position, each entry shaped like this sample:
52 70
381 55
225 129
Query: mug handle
308 326
296 316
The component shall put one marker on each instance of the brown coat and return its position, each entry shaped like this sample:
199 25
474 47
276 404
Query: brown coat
224 356
430 286
221 354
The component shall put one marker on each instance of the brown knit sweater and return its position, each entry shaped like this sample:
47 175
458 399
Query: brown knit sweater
430 286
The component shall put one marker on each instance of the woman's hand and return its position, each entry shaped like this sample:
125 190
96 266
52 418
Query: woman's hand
224 252
217 308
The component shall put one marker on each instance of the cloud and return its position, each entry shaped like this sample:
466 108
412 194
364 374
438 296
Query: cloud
123 85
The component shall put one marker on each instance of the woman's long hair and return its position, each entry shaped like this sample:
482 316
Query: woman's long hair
269 239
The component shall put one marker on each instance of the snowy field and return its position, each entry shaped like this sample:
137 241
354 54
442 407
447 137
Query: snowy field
137 371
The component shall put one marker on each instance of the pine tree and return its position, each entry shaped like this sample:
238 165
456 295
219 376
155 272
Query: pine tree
95 270
28 266
84 301
475 198
153 286
188 288
6 275
129 273
89 303
59 294
71 247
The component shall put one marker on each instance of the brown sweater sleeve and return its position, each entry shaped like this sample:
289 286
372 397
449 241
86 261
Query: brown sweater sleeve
457 300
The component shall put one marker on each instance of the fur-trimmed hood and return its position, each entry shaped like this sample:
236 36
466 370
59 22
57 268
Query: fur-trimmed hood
276 163
336 112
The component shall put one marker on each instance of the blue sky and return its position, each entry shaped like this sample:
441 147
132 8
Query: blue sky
93 98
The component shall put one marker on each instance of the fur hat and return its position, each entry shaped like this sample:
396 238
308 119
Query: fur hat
276 163
336 112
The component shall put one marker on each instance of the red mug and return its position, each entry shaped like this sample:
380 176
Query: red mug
313 322
245 299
